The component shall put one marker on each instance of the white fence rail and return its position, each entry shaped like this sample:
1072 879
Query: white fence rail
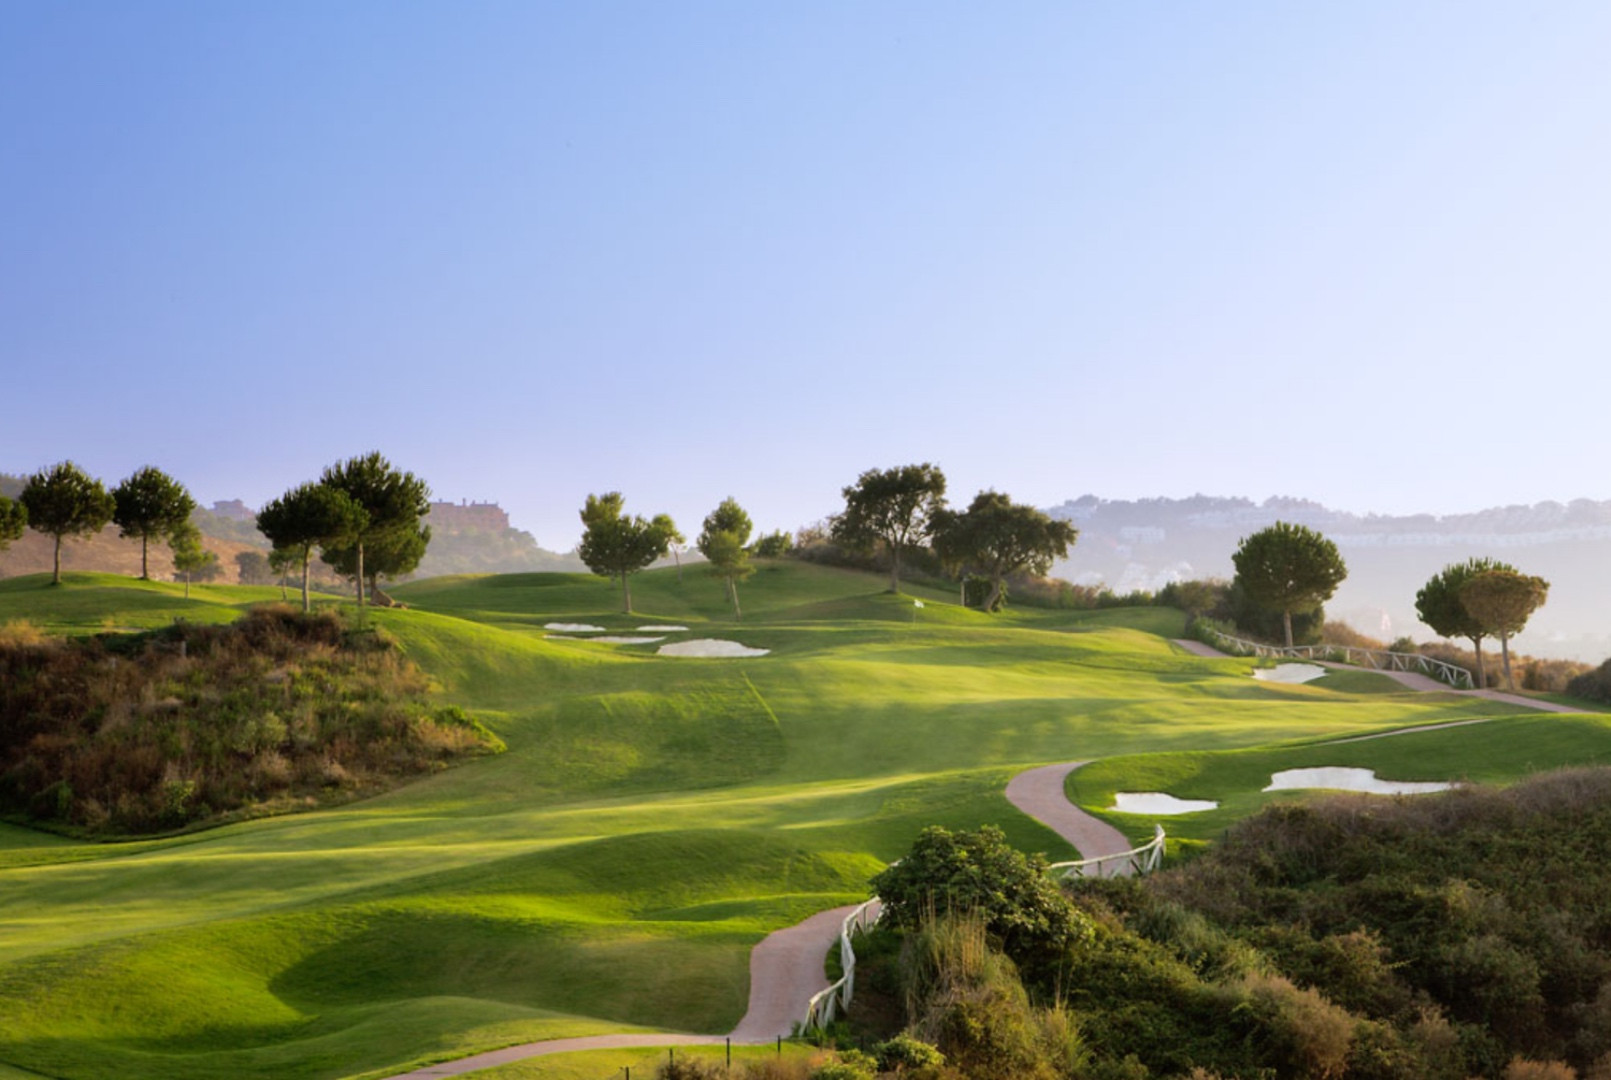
826 1005
1141 860
1377 659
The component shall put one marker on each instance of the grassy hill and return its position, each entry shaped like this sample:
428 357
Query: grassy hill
651 820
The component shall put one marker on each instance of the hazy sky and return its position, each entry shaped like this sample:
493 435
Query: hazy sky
1356 252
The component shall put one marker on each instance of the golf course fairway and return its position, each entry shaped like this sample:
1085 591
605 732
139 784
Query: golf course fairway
652 818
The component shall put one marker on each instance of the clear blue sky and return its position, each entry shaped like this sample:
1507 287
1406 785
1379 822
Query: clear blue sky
1357 252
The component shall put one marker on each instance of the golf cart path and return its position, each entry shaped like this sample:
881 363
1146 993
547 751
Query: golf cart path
1412 680
786 968
1040 794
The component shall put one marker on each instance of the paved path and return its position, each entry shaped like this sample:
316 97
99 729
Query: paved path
1039 793
786 969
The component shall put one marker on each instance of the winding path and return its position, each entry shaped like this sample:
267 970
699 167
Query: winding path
786 968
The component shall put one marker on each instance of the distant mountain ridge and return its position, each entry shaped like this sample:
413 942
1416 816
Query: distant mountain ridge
1146 543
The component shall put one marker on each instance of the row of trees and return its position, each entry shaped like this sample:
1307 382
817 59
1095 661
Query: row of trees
898 509
1290 568
64 501
362 515
365 517
994 538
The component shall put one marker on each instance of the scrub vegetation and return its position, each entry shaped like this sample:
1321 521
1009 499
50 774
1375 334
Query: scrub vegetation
155 731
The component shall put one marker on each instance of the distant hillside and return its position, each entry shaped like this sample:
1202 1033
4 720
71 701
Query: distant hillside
476 538
1146 543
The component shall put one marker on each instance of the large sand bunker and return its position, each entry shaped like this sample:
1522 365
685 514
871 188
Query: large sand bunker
1337 778
710 647
628 639
667 629
574 627
1158 803
1289 673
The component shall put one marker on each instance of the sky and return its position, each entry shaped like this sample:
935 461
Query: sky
1352 252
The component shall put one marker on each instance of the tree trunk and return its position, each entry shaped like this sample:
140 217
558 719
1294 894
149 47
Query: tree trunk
895 569
993 597
732 590
187 584
307 557
1286 623
56 578
145 572
360 580
1482 675
1504 652
626 594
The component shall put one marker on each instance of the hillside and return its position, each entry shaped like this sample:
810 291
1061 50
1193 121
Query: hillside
650 821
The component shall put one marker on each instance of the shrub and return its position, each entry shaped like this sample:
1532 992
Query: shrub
978 873
904 1053
135 733
774 545
1593 685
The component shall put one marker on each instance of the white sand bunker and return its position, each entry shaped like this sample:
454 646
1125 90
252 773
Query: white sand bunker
1157 803
660 629
1336 778
710 647
1289 673
627 639
574 627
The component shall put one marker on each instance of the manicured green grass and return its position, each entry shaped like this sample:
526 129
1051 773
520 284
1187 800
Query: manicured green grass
1495 751
650 821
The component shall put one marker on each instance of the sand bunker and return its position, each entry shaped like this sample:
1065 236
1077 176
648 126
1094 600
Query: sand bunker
574 627
1289 673
660 629
1157 803
1336 778
709 647
627 639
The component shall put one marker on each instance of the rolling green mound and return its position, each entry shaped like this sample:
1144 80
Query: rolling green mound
652 819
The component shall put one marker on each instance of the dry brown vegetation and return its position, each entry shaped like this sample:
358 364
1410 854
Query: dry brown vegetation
141 733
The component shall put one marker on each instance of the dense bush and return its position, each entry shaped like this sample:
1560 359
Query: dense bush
1593 685
979 874
139 733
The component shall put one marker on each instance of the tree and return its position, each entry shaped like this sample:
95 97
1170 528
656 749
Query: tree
148 506
63 501
894 506
252 568
978 873
1438 605
189 558
675 540
308 516
280 561
390 557
13 520
615 545
996 537
1286 567
394 503
721 540
1501 601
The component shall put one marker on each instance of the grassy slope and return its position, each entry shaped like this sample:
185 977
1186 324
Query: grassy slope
651 820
